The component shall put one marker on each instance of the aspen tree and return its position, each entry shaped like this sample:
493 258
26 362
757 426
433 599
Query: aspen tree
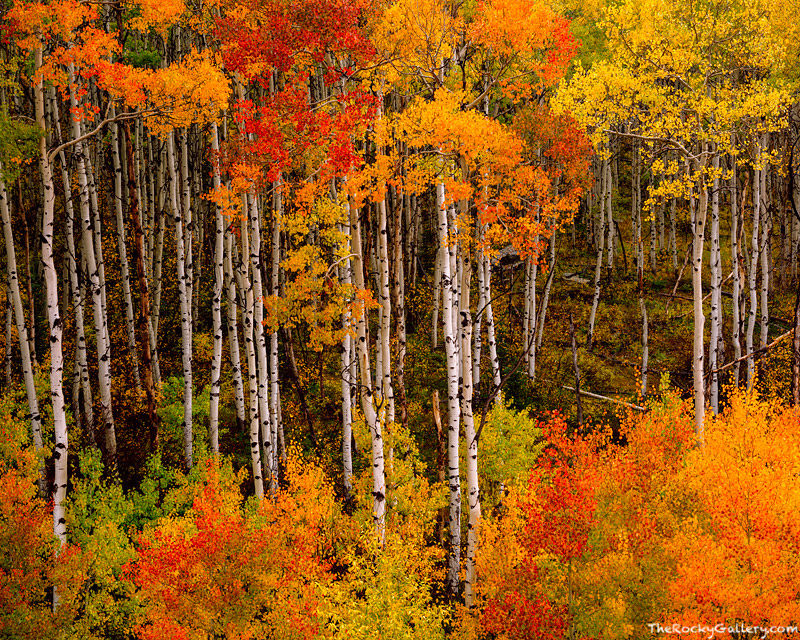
83 403
123 252
752 271
216 303
55 325
143 321
184 302
453 407
96 273
22 332
736 320
715 319
598 271
365 385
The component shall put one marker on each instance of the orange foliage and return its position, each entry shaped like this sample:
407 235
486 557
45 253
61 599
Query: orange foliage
219 571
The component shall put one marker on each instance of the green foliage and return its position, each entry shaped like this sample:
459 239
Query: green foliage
97 516
510 443
19 144
386 595
171 414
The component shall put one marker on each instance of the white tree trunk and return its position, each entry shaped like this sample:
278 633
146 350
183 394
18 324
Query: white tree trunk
60 452
96 285
233 333
367 402
185 307
473 490
766 260
736 319
387 392
277 426
22 333
598 271
752 275
216 305
125 272
453 374
715 258
699 227
490 328
348 382
82 404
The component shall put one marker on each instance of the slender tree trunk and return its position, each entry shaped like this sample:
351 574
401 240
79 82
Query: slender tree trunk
766 261
576 369
387 391
490 328
699 227
752 274
348 382
736 319
123 253
216 303
96 284
548 285
367 400
60 452
233 334
453 375
473 489
598 271
715 259
399 309
185 307
22 333
143 322
277 428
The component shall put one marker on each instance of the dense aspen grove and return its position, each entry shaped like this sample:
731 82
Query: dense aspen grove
419 319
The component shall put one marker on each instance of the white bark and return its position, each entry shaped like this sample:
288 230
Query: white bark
123 255
699 226
22 332
367 401
216 305
257 288
387 392
453 373
736 319
490 329
55 325
473 490
233 333
766 261
348 386
715 333
752 275
96 285
277 425
598 271
185 307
